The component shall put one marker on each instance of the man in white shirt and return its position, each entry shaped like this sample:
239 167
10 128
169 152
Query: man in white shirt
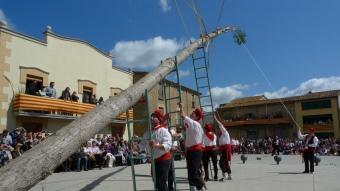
310 142
161 144
210 151
194 147
225 150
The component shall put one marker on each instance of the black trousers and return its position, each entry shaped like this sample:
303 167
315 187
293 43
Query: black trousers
308 157
171 177
224 163
194 159
162 170
206 156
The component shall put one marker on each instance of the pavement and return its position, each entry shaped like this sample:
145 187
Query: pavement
259 173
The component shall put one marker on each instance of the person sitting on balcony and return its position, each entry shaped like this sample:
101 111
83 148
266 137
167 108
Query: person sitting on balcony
66 95
51 91
74 96
32 88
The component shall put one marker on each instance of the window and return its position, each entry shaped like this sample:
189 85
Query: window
326 119
87 94
193 101
88 89
115 91
320 104
33 84
34 79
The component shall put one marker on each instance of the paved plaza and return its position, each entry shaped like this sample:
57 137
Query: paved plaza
259 173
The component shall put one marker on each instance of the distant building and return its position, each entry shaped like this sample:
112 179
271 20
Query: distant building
157 101
258 117
28 63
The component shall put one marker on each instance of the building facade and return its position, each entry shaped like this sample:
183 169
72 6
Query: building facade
27 62
157 96
259 117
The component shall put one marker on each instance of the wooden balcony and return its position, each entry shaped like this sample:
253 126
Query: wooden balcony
318 127
272 121
55 107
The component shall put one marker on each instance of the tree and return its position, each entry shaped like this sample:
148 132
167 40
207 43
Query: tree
36 164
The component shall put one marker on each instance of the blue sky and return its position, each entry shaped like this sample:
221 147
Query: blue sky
295 43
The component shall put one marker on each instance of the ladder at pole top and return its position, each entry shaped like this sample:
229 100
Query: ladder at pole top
131 140
200 64
174 121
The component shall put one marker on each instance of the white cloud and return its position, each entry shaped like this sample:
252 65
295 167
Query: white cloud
3 17
184 73
5 20
314 85
144 54
225 94
164 5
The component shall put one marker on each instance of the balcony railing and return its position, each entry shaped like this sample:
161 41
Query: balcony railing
257 122
318 127
29 103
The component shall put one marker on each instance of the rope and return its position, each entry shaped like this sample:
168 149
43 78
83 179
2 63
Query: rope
270 84
186 29
198 17
220 14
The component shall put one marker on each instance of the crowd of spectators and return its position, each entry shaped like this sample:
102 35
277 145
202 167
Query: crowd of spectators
327 146
34 89
14 143
104 151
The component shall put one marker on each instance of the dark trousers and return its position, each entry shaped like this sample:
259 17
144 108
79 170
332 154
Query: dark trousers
171 177
194 159
224 163
308 157
275 150
206 157
162 170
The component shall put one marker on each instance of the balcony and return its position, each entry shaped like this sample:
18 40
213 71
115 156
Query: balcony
28 105
272 121
318 127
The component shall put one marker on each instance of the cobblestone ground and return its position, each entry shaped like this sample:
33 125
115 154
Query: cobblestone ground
259 173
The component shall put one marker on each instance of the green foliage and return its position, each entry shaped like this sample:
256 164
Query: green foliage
239 37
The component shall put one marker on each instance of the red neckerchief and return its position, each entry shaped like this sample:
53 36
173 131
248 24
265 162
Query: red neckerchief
157 127
210 135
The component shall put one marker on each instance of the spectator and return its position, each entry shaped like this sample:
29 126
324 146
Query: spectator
42 92
74 96
51 91
94 99
66 95
86 98
32 88
101 100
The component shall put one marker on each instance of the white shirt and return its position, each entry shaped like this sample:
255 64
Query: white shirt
207 142
194 132
162 136
303 137
225 137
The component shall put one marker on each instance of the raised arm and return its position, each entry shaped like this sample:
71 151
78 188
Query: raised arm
181 112
220 125
300 135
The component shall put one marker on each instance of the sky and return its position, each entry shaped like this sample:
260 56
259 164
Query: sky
293 46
